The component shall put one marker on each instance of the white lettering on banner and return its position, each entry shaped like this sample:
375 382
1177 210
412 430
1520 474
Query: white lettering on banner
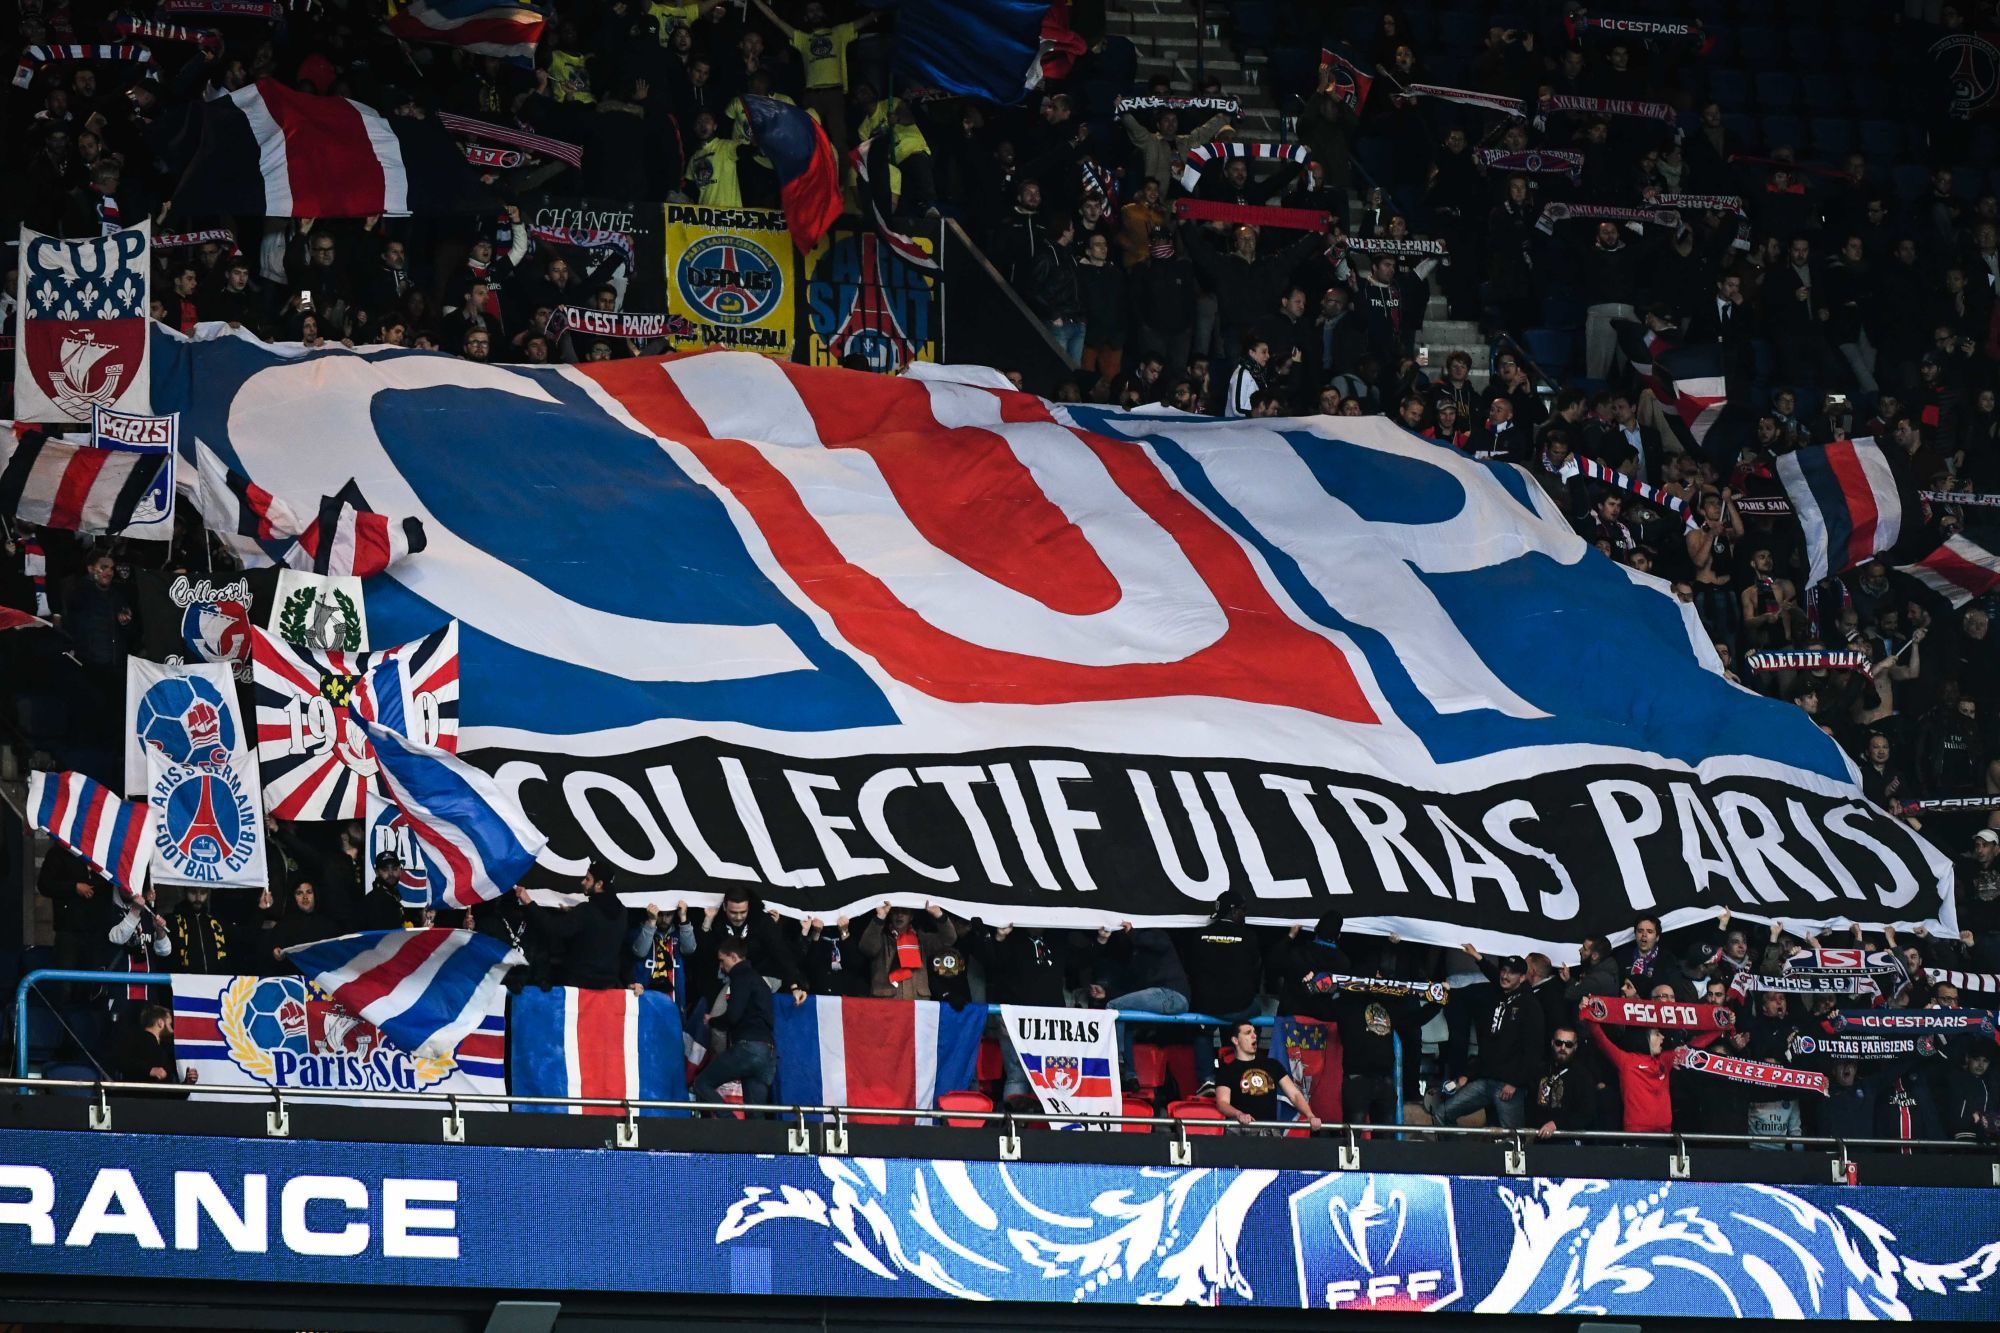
1298 796
1215 870
874 805
957 780
456 576
1400 1287
1702 845
1625 830
828 828
1807 830
874 532
667 788
1560 905
196 1193
300 1237
759 832
33 1212
1839 819
114 1204
1068 1056
660 856
1763 849
1263 884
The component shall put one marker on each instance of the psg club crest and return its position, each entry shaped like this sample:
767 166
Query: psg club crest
865 299
283 1032
84 307
207 827
730 280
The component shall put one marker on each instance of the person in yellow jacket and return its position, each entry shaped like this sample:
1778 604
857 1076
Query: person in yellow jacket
822 47
711 171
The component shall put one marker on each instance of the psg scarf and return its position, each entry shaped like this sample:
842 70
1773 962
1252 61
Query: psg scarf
153 30
1597 471
1810 983
1252 215
1987 982
618 323
1701 203
1226 106
1506 106
1670 1014
1955 803
1807 659
1777 1078
1607 106
34 57
1861 1048
1978 1021
1203 154
1325 983
1531 162
1581 25
1877 962
1561 212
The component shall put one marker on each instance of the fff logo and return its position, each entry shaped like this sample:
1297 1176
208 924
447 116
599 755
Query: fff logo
1376 1242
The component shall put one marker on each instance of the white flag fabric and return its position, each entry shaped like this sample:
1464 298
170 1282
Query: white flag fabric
186 749
1069 1055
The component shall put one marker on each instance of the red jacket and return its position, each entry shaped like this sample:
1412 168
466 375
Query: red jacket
1643 1081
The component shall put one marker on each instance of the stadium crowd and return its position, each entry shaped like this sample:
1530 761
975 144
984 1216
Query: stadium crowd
1837 304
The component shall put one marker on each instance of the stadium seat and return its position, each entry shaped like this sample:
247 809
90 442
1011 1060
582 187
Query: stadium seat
1136 1106
1757 46
1553 350
1911 178
1777 91
1562 311
1882 140
1149 1065
71 1072
1810 48
1730 88
1861 47
1826 94
1206 1116
1782 131
1832 136
990 1065
1256 23
964 1101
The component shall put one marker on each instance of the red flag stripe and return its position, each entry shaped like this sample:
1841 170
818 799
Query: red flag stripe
1860 496
342 177
600 1046
383 978
1975 578
881 1038
74 492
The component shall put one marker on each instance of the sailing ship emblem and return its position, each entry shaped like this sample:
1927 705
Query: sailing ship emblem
70 383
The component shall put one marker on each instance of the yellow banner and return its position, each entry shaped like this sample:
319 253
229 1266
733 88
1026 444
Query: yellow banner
864 300
729 275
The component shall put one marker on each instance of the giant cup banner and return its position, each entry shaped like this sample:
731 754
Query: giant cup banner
840 637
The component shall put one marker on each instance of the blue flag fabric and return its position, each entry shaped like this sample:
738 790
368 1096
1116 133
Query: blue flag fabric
425 989
974 48
891 1053
595 1043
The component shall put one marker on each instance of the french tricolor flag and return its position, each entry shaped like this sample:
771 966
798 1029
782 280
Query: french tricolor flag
113 834
891 1053
271 150
1847 499
475 839
595 1043
483 27
1958 570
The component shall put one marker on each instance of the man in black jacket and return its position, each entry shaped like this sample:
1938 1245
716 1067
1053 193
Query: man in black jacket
588 939
741 919
1024 965
1508 1063
202 941
382 905
752 1055
1566 1096
1225 970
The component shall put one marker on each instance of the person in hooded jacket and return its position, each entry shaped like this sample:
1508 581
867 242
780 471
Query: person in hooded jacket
1225 968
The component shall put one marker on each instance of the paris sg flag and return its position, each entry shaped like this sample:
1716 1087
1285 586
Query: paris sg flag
82 341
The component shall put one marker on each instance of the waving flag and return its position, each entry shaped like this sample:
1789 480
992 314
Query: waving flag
1959 570
250 520
113 834
350 540
595 1043
808 175
315 757
1848 499
891 1053
1316 640
1349 83
990 49
1696 396
69 484
426 989
270 150
476 842
483 27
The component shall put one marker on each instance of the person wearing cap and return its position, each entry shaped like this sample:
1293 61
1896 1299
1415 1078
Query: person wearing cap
1978 880
382 905
1225 969
1508 1062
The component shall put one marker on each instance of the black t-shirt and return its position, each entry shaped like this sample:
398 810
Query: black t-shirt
1253 1086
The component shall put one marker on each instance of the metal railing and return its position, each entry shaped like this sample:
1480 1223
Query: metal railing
28 983
834 1122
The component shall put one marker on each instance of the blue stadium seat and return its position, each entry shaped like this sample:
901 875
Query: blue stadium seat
1256 23
1826 94
1882 139
1757 45
1730 88
1861 47
1460 30
1832 136
1564 313
1810 48
1783 131
1553 349
1912 179
1777 91
1740 125
1721 43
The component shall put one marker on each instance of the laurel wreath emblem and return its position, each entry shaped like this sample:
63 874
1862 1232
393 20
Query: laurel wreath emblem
292 627
253 1059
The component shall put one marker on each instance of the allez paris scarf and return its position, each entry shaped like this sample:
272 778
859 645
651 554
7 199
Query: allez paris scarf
1670 1014
1778 1078
1204 154
1325 983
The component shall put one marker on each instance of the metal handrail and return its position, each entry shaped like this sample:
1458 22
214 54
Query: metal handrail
27 984
634 1106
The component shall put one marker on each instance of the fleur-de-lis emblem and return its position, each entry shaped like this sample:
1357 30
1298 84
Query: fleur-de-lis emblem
108 310
47 293
68 311
128 292
89 293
